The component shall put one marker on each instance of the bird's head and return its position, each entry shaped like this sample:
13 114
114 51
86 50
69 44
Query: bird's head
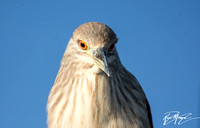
93 46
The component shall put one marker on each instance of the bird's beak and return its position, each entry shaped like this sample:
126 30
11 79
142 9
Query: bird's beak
100 57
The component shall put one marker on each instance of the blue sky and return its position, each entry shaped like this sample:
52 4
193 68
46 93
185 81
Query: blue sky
159 43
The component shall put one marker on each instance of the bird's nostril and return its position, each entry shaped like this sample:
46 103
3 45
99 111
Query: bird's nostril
99 56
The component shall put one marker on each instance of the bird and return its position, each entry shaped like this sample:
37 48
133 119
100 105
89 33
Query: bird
92 88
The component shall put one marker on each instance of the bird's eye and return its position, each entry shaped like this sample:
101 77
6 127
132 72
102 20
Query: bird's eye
112 46
82 44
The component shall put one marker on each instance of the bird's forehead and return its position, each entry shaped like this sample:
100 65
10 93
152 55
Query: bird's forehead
94 33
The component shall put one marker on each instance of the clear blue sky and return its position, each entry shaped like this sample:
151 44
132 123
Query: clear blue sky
159 42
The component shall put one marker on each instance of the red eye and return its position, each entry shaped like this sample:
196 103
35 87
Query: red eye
112 46
83 45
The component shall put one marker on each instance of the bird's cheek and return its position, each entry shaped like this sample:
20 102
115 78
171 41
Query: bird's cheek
89 63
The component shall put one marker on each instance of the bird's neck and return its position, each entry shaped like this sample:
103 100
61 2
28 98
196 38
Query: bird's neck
88 100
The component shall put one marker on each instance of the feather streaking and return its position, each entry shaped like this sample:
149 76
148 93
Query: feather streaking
84 96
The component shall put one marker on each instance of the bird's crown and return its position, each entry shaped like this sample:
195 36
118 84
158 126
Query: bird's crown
95 33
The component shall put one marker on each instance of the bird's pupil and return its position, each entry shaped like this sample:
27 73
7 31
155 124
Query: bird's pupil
82 45
112 46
